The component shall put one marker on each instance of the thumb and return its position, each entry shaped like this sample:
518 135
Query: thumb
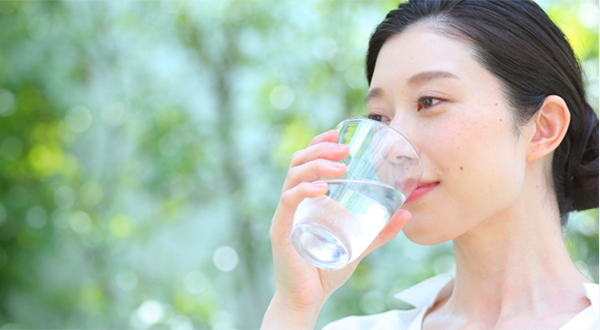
390 231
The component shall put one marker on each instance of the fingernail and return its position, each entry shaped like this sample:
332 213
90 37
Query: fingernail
320 185
341 147
339 165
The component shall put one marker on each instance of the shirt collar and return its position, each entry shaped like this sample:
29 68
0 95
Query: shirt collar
591 291
424 293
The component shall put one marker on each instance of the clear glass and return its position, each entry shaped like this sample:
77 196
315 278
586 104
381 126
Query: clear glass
333 230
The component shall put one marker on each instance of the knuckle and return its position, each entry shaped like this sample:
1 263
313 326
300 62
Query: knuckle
275 235
322 162
379 240
292 173
318 137
325 147
272 233
296 157
304 187
288 198
300 189
321 166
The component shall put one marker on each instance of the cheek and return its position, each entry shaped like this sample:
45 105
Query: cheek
451 145
479 167
462 145
486 168
477 158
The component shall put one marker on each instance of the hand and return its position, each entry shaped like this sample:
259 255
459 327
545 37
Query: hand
301 289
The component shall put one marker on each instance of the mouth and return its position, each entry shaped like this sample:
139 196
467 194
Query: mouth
421 190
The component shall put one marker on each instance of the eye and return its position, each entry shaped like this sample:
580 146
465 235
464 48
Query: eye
375 117
426 102
381 118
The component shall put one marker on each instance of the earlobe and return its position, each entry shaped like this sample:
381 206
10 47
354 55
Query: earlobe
551 123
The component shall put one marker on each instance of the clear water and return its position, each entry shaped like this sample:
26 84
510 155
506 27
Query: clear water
333 230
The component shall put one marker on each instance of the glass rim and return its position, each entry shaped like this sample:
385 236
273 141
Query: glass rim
378 123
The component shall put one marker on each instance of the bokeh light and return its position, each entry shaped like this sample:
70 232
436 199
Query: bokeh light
281 97
80 222
372 302
64 197
11 148
150 312
2 213
195 282
324 48
79 119
225 258
127 280
37 217
7 103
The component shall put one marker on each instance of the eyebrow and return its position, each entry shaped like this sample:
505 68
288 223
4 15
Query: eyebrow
416 79
423 77
375 92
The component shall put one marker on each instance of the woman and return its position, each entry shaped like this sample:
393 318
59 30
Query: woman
491 95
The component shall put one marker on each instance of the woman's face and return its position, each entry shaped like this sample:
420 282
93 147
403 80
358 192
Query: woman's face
430 88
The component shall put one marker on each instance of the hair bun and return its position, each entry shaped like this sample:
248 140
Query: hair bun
585 176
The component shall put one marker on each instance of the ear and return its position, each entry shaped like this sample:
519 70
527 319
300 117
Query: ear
550 123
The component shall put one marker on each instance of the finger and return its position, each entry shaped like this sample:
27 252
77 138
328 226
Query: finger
389 232
327 150
329 136
281 225
313 171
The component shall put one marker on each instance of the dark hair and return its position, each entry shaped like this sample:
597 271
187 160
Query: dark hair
519 43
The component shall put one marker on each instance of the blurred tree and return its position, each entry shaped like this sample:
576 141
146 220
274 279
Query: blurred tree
143 146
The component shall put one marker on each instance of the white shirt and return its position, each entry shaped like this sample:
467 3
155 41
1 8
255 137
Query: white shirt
426 293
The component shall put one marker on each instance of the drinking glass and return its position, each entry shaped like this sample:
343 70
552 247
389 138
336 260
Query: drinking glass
332 230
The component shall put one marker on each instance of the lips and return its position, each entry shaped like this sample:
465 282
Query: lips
421 190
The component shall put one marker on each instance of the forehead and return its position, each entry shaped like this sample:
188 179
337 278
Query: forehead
422 48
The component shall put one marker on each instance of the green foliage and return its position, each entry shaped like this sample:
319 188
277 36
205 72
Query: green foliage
143 145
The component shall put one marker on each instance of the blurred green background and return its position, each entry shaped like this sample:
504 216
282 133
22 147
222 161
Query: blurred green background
143 145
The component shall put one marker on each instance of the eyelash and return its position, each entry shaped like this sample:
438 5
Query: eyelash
372 117
419 107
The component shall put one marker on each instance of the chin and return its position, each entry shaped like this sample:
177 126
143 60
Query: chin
422 234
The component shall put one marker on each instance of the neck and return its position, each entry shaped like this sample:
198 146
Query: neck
516 263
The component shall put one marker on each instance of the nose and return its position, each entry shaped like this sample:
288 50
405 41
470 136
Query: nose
393 155
395 150
408 129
